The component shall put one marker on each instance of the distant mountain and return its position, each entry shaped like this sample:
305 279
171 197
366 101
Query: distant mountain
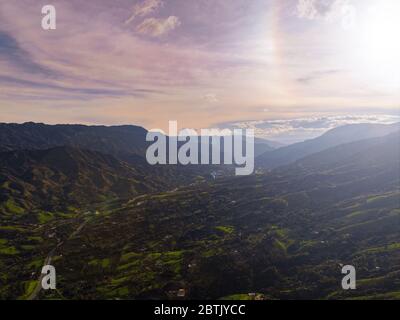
113 140
262 145
271 143
121 141
382 152
125 143
332 138
352 169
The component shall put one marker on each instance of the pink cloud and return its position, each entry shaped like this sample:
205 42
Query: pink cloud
158 27
143 9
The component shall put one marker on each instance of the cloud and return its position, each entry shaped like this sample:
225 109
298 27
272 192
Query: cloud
106 68
158 27
300 129
317 75
143 9
306 9
74 92
11 52
328 9
50 65
211 97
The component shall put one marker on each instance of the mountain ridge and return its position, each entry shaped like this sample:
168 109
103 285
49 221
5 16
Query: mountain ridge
332 138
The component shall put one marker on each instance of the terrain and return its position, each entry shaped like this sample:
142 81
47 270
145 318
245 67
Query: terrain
115 228
332 138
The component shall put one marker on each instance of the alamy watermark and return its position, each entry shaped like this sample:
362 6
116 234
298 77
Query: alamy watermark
211 146
48 277
349 280
49 19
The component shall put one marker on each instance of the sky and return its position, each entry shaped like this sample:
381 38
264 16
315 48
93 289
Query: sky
291 69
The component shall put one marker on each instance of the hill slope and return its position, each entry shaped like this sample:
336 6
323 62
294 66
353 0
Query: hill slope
111 140
332 138
63 176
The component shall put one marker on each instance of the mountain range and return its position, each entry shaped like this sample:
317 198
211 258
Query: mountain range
115 227
332 138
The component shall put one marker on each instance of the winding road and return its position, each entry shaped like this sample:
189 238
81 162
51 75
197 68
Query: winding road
34 294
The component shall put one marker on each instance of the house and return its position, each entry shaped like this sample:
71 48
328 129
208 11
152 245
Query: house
181 293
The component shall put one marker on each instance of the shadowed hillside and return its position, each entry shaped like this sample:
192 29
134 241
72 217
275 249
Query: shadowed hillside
61 177
332 138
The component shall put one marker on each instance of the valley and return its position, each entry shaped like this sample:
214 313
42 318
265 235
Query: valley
113 231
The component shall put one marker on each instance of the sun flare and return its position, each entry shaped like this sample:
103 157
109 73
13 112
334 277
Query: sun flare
378 30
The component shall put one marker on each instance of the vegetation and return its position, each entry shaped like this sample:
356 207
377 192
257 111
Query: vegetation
114 232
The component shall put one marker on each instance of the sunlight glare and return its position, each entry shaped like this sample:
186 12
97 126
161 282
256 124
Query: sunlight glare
379 51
